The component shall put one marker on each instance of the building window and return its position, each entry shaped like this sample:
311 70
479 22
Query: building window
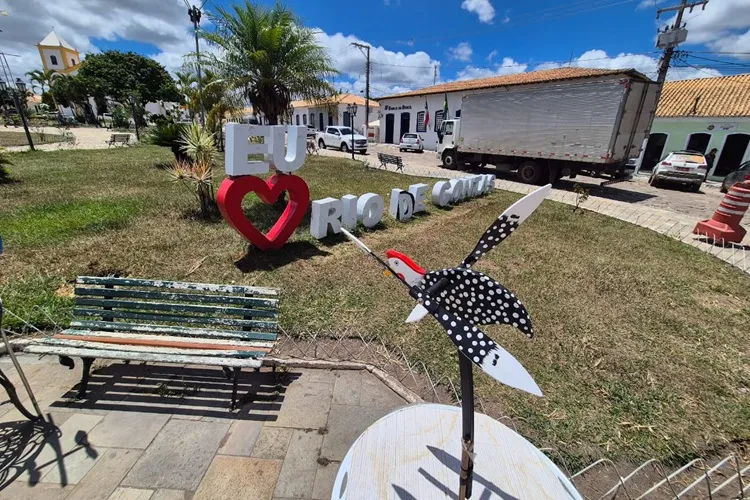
438 119
346 119
72 62
458 113
304 119
330 118
297 119
53 59
421 127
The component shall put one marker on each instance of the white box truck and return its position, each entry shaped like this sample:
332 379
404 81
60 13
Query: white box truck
547 131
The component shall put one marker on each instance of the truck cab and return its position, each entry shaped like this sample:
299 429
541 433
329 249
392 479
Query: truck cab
447 138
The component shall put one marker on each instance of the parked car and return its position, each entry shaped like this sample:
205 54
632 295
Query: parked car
739 175
684 167
341 137
411 142
631 164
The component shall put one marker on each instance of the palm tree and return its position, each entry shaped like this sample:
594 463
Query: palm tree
268 57
45 78
185 81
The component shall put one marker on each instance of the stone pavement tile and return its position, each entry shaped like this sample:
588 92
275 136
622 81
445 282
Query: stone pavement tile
241 438
162 466
345 424
127 429
346 391
231 478
324 479
131 494
305 405
22 490
75 465
272 443
297 476
376 393
104 477
312 375
164 494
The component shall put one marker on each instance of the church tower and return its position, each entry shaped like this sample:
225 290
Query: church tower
58 55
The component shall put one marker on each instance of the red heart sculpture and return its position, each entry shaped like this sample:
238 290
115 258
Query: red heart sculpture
233 190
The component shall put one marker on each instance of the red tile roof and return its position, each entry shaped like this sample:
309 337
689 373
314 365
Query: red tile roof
720 96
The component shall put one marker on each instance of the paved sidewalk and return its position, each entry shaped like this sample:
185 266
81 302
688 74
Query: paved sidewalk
669 223
85 138
163 432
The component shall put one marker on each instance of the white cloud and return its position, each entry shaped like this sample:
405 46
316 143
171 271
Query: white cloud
482 8
647 4
391 71
647 65
491 55
507 67
461 52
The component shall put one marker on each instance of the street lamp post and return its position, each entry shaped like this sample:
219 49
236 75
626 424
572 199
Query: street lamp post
135 118
195 18
22 89
352 109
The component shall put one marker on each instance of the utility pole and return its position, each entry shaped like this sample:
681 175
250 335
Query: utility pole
365 49
195 18
434 75
668 40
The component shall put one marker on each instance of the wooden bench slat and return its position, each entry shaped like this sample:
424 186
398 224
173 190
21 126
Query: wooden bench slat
129 339
234 343
174 330
188 297
108 346
174 307
168 318
176 285
144 356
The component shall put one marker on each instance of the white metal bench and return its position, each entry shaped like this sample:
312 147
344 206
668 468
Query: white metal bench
115 139
166 322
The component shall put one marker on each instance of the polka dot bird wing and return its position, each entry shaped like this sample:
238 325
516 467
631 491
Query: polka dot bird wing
503 226
478 299
482 351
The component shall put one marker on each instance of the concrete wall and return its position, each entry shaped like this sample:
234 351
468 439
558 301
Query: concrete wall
46 53
338 116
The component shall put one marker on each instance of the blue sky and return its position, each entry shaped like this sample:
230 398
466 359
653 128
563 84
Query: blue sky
464 38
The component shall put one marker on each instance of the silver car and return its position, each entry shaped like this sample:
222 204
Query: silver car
411 142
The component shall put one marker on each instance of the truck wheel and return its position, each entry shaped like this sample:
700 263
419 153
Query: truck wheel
450 160
344 147
321 144
530 172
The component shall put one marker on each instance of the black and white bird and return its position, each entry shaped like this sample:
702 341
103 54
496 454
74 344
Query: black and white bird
462 298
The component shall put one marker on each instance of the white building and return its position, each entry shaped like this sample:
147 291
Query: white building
58 55
406 112
333 112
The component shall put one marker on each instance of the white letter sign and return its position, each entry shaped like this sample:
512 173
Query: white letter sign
325 213
370 208
419 192
238 147
441 195
402 205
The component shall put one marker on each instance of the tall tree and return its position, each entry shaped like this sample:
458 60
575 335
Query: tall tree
269 57
45 79
119 75
186 80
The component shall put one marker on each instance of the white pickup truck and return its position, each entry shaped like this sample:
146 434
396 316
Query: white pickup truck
341 138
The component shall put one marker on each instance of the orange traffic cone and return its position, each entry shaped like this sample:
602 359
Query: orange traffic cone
725 224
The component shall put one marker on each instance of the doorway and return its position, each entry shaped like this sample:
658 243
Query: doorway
322 125
405 119
732 153
698 142
654 150
389 120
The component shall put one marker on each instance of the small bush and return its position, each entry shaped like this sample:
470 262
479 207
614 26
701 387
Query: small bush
168 135
4 162
197 171
120 117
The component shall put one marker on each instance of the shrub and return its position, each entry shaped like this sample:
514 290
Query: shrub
4 161
120 117
168 135
197 171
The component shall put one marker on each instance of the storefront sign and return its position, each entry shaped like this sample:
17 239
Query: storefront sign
397 108
722 126
329 215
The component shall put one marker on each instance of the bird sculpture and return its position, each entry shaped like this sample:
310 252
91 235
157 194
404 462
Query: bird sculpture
462 298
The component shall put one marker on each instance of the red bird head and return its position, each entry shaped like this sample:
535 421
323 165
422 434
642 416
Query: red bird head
405 268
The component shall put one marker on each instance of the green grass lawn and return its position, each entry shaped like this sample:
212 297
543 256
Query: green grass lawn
642 341
17 137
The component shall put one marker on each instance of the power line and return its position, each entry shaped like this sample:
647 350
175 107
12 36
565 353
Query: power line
730 63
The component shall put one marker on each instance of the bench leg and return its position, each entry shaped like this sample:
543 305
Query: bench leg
227 372
234 387
85 377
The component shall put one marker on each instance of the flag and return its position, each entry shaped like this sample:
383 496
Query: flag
445 107
426 115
